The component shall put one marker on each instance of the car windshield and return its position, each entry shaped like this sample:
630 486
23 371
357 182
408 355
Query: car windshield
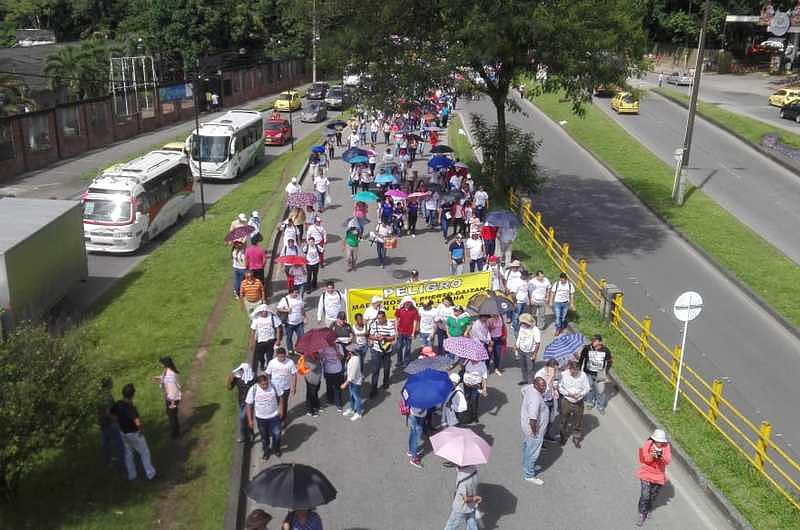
627 99
285 95
274 125
312 107
210 148
319 85
112 210
336 92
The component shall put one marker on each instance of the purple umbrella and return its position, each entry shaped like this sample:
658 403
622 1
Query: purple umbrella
301 199
466 348
397 194
240 232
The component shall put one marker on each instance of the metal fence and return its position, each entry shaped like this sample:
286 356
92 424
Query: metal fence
751 440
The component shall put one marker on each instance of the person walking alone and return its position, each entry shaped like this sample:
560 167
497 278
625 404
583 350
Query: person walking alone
562 297
168 381
654 457
535 416
124 411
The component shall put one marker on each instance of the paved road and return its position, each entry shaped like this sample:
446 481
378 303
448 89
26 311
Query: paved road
606 224
378 489
756 190
743 94
63 182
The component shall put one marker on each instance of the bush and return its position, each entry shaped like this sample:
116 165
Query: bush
48 394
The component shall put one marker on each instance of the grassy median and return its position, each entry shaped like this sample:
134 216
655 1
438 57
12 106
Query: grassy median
162 308
750 128
754 261
752 495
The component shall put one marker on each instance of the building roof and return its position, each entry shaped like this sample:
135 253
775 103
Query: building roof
35 37
28 62
21 218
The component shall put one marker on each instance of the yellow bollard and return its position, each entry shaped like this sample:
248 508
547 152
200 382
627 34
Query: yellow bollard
539 227
564 257
676 359
762 444
644 341
582 272
551 240
616 311
716 397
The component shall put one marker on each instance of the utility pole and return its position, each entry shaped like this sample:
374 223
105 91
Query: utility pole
196 137
679 186
314 42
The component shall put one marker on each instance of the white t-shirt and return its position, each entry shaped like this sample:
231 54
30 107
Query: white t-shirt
280 373
361 334
318 232
426 320
238 258
528 338
514 281
562 291
475 372
480 199
521 294
295 308
538 289
298 272
265 402
442 312
312 254
321 184
329 305
293 188
265 327
475 247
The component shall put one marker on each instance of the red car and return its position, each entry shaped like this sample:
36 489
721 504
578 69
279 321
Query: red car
277 132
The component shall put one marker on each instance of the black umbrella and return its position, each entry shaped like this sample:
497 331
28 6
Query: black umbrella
292 486
489 303
337 125
442 149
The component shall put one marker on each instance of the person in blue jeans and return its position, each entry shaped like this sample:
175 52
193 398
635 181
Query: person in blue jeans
535 417
353 381
595 359
416 424
562 297
293 307
444 220
264 411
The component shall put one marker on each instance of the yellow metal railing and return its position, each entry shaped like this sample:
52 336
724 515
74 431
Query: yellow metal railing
753 441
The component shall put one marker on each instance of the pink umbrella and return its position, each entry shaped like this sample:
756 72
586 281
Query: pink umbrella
466 348
419 194
461 447
397 194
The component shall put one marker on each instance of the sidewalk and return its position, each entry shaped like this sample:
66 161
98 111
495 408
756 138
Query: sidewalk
63 180
594 486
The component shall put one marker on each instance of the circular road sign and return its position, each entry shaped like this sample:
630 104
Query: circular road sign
688 306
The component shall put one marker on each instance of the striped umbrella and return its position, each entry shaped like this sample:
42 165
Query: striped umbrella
563 348
466 348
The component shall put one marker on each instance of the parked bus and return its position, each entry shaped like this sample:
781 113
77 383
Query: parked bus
131 203
227 146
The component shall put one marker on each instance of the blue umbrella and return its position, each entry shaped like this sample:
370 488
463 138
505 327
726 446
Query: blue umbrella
440 363
440 162
352 153
563 348
318 149
385 178
358 160
502 219
426 389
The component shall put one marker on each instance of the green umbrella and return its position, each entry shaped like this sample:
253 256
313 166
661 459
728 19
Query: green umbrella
365 196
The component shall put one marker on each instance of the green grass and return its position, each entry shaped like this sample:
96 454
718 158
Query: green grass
752 495
161 308
750 128
732 244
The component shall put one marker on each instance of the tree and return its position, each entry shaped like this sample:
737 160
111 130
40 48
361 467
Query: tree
81 69
13 95
582 44
48 393
520 155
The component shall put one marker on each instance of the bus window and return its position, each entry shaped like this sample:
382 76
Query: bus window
210 148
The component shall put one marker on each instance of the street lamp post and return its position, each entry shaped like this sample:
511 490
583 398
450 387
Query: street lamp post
314 42
197 135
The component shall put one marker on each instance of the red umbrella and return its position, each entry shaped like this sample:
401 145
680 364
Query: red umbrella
315 340
292 260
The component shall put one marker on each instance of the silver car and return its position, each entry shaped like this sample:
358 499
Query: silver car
678 79
337 98
314 112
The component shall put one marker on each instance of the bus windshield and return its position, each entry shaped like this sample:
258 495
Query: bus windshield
112 210
210 148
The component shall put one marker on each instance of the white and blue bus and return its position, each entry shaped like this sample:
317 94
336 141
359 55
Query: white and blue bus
227 146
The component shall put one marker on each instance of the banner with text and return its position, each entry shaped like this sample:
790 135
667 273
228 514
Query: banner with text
459 288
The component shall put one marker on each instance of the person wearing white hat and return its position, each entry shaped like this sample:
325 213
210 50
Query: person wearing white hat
293 187
407 323
241 220
371 312
242 378
266 329
654 457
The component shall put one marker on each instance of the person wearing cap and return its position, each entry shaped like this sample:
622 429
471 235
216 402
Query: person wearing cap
293 186
573 386
455 404
242 378
255 222
497 276
562 297
596 360
529 337
266 330
251 292
372 310
257 520
535 416
654 457
457 252
406 319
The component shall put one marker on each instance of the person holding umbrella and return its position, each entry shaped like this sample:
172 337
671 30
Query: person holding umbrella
333 371
475 376
465 500
257 520
263 411
302 520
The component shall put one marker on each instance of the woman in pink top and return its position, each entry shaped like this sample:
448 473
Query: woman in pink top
654 457
255 258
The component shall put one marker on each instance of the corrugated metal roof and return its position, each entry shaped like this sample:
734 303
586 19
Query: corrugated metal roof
20 218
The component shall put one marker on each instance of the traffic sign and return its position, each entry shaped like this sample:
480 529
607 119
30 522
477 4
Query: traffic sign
688 306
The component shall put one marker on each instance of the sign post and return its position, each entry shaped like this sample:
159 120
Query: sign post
686 308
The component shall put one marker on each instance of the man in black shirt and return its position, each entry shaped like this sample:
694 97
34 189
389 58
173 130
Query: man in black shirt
242 379
132 433
596 361
111 438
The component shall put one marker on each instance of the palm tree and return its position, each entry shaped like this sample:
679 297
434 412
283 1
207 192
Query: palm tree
65 69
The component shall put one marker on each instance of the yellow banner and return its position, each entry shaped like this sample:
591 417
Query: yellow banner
459 288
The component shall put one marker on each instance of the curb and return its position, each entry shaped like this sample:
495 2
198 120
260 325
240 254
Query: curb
748 291
782 161
711 492
237 500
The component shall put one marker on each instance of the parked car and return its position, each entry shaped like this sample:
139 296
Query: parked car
174 146
784 96
317 91
277 131
625 103
287 101
791 111
314 112
337 98
679 79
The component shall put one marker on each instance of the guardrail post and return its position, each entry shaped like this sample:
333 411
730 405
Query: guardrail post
551 240
564 257
527 214
676 359
644 341
616 309
511 197
582 272
716 397
539 227
762 445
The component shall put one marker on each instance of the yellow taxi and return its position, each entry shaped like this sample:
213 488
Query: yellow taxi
174 146
625 103
288 101
784 96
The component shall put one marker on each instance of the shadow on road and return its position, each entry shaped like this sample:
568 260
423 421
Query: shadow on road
497 502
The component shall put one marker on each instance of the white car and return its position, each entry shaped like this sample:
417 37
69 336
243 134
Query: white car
678 79
352 80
